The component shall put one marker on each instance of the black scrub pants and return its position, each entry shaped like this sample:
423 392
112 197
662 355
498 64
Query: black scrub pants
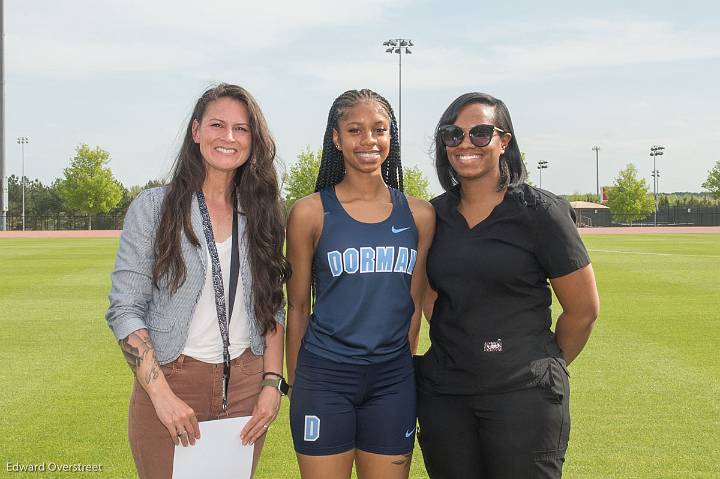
514 435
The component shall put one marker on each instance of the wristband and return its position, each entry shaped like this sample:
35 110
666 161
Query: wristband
279 384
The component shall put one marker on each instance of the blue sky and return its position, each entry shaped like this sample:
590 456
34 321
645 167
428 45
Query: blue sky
124 75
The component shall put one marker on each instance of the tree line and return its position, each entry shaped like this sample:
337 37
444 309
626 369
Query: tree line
630 198
88 187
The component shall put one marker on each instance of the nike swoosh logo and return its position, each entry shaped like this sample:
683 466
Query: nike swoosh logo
409 432
399 230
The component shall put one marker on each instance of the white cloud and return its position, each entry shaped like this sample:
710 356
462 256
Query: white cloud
79 38
593 43
254 22
76 57
532 51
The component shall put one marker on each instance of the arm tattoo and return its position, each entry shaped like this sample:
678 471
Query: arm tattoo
153 374
135 355
404 461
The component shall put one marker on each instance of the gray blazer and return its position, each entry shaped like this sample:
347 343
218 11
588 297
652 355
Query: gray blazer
136 304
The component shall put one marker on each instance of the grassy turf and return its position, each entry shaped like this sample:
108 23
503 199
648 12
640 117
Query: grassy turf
644 390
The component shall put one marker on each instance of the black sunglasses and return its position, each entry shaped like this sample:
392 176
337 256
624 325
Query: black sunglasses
480 135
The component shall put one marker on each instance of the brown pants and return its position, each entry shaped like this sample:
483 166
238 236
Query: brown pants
200 386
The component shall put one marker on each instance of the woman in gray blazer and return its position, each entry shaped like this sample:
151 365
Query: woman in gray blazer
197 292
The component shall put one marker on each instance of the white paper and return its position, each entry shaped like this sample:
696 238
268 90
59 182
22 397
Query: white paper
218 453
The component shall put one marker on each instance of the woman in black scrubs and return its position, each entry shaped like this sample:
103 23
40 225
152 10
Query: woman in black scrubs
493 392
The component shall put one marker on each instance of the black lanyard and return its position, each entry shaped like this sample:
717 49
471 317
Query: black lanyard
220 306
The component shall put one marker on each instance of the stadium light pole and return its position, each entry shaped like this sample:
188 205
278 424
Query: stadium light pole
656 179
542 164
596 149
399 46
3 178
22 141
655 151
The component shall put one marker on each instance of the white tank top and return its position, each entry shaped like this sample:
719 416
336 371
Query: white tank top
204 342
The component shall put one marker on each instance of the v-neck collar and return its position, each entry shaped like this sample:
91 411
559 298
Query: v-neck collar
454 193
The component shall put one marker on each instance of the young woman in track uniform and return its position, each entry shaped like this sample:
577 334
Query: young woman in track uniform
359 244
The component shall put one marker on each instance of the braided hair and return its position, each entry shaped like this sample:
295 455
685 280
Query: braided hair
332 165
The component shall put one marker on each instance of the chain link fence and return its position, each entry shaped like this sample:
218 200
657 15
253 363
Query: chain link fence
666 216
62 222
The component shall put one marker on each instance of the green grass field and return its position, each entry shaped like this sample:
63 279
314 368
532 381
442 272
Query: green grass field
644 392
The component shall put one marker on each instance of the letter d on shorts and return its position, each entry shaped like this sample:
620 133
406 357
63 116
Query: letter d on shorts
312 428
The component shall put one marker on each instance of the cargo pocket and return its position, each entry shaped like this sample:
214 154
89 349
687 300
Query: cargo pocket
172 369
548 464
547 375
168 370
251 364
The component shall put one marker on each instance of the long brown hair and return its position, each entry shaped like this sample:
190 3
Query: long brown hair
257 186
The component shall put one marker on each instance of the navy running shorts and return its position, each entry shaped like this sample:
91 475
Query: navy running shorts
336 407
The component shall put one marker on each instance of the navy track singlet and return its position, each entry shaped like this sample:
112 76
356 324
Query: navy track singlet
363 271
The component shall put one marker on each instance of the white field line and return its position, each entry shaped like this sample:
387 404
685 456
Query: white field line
654 254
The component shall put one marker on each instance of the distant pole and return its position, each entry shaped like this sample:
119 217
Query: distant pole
3 177
399 46
596 149
22 141
656 180
655 151
542 164
652 153
400 100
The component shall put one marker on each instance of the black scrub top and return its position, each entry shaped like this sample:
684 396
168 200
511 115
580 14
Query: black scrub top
492 316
